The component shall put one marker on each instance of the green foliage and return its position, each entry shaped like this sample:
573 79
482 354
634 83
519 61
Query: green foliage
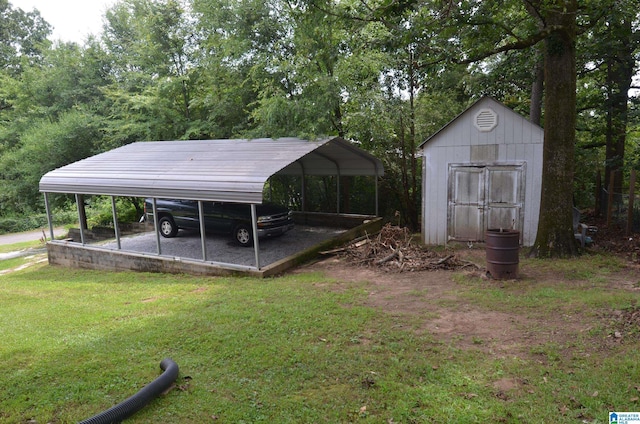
100 212
284 190
357 194
606 119
45 146
386 75
17 224
68 78
150 45
23 37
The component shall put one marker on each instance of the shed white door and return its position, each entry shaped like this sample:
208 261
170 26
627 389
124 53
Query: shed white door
482 197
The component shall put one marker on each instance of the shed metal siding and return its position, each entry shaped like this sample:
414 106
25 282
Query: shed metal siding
216 170
517 139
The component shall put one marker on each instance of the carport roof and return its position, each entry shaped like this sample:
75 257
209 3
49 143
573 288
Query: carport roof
216 170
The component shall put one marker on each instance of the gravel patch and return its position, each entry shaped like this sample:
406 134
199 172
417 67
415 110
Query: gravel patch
220 248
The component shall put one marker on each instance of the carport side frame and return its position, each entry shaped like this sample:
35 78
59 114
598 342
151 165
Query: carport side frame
254 222
303 187
254 226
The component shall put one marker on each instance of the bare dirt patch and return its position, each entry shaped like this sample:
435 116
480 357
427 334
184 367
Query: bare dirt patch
432 297
436 300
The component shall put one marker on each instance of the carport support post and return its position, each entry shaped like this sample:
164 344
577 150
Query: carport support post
377 200
203 240
338 192
115 221
80 216
49 217
155 224
304 191
254 227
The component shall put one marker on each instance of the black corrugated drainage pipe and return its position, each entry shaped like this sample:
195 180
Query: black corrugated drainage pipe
136 402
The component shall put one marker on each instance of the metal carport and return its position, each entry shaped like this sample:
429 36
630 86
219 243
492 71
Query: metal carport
206 170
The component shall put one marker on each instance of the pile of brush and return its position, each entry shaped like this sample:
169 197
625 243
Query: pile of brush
393 249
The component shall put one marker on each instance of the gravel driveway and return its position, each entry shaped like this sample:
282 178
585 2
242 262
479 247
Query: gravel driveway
222 249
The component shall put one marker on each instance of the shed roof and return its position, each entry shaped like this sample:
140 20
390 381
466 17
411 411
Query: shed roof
485 101
215 170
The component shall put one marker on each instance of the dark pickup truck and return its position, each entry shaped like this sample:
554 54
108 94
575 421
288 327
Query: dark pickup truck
221 218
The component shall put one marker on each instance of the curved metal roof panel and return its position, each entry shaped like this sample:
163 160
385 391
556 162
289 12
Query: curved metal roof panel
216 170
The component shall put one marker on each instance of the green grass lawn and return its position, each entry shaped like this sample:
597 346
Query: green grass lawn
21 246
295 349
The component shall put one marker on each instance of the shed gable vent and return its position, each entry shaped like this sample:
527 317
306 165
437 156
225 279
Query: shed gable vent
486 120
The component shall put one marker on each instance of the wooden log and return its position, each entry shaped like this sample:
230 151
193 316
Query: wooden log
443 260
387 258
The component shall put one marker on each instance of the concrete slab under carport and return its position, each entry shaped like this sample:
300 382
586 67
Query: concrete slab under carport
99 257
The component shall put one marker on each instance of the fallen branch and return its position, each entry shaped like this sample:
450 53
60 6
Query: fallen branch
469 263
387 258
359 242
443 260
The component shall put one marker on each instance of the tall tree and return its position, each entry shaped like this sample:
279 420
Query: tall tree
555 228
151 45
23 41
23 36
232 45
67 77
617 47
381 79
488 28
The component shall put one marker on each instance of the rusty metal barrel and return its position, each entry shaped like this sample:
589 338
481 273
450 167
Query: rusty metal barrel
502 248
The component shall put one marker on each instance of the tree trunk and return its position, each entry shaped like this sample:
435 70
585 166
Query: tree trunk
412 197
537 90
555 228
620 65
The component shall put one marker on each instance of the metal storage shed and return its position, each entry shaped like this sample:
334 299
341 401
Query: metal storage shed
207 170
482 170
